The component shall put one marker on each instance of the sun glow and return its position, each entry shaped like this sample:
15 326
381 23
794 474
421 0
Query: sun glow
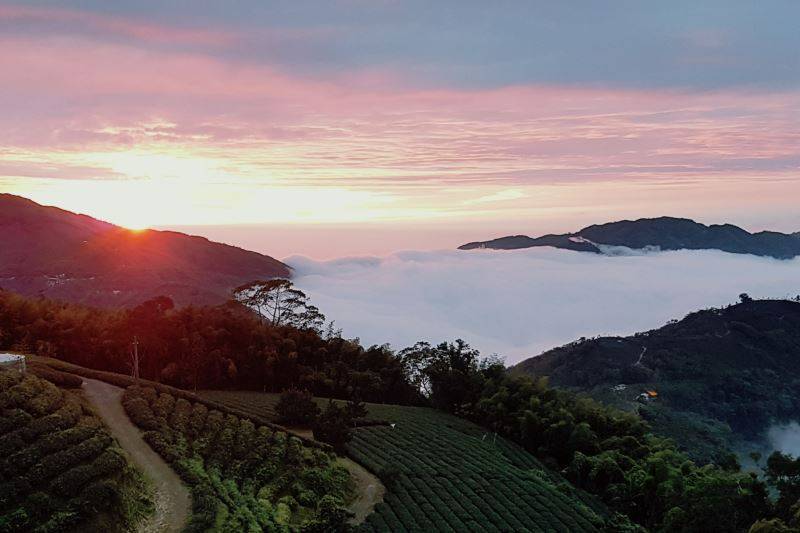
137 228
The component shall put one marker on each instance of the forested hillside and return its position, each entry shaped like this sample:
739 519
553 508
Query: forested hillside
202 348
737 366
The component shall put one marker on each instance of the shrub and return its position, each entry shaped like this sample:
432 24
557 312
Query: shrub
62 379
163 406
140 413
333 427
66 417
179 421
331 517
356 408
62 460
70 482
197 420
389 474
13 419
244 476
57 465
100 495
296 407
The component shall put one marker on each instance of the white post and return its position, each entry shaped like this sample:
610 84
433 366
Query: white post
136 359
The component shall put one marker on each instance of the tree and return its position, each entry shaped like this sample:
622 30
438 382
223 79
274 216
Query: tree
332 517
333 426
279 303
449 374
416 361
296 407
356 408
783 473
776 525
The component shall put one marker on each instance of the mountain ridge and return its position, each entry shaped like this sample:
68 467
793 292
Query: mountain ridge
662 233
48 251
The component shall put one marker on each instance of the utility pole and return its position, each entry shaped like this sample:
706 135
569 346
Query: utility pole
136 359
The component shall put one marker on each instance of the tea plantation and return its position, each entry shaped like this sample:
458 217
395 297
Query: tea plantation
243 476
60 469
444 473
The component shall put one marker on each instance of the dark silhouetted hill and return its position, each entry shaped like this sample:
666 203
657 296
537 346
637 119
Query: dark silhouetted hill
665 233
61 255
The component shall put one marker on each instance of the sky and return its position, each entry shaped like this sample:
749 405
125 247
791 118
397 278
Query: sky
391 124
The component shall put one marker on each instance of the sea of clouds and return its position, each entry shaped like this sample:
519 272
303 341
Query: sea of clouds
520 303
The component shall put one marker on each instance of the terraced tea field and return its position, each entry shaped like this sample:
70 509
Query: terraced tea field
257 403
444 473
243 476
60 469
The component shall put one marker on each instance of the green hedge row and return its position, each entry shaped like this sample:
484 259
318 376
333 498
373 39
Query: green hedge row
59 468
244 476
124 381
446 474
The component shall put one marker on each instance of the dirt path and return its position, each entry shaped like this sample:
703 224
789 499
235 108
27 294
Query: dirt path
172 500
369 489
639 361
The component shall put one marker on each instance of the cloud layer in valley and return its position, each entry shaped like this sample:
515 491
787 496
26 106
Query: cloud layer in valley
520 303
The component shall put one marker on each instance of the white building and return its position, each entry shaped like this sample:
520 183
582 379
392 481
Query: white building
11 360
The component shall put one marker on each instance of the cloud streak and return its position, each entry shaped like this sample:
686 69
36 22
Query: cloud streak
213 92
50 20
70 96
520 303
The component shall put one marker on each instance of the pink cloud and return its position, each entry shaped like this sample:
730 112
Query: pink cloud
79 21
373 128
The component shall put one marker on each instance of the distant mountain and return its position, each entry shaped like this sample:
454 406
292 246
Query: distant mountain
664 233
54 253
736 368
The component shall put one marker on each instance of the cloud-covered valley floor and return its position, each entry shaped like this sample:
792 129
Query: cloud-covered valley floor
520 303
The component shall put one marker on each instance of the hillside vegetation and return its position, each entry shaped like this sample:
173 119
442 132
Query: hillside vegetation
736 368
445 473
202 348
641 478
243 476
60 469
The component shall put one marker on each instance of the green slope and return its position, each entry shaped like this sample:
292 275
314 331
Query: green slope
60 469
244 476
444 473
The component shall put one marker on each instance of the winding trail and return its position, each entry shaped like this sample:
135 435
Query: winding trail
172 499
639 361
370 490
